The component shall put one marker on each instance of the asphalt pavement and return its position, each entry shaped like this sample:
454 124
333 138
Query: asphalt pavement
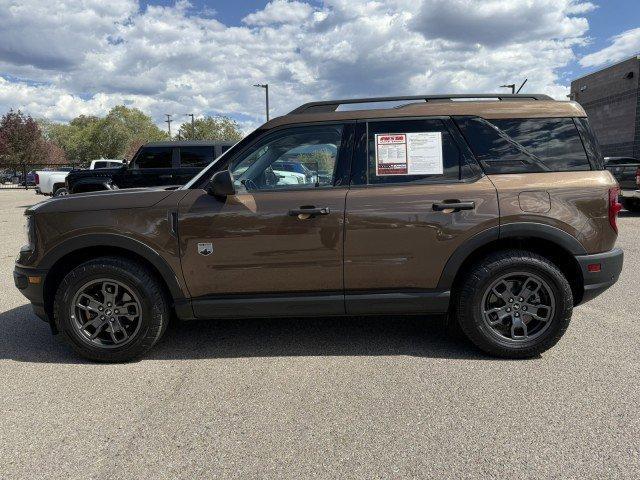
385 397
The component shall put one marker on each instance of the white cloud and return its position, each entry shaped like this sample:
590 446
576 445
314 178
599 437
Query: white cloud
622 46
280 11
60 59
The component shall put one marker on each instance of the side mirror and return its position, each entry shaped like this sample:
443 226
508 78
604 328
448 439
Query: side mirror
221 184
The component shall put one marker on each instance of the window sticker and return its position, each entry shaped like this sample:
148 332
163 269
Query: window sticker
418 153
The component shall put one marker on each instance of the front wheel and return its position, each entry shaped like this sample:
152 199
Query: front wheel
111 309
514 304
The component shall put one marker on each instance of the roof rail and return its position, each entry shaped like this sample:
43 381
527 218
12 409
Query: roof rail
332 105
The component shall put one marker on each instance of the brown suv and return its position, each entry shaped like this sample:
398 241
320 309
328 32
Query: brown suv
495 210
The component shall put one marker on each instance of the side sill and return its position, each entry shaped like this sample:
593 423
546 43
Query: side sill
397 303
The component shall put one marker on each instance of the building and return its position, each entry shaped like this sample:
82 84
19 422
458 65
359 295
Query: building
610 97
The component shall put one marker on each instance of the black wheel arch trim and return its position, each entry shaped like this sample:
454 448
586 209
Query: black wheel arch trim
510 230
118 241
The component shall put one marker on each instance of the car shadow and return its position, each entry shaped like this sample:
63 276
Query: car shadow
25 338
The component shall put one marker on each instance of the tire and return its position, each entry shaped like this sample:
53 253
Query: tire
482 310
61 192
122 337
630 204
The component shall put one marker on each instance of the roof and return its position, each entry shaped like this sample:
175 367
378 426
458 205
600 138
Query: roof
189 143
526 106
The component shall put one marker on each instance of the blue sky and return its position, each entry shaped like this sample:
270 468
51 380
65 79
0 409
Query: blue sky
62 59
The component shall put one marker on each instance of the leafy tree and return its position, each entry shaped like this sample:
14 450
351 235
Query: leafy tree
211 128
123 126
88 137
21 141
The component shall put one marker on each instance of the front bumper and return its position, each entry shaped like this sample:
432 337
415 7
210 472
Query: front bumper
597 279
26 280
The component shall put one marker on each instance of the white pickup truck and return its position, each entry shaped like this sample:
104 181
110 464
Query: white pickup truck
51 182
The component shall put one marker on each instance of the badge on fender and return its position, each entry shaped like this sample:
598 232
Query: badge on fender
205 249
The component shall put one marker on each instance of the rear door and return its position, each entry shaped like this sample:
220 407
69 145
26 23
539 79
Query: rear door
192 160
274 248
399 231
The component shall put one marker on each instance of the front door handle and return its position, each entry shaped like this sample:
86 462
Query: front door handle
454 205
306 212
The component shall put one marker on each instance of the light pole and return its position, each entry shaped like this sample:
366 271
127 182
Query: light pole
168 122
512 86
266 91
193 126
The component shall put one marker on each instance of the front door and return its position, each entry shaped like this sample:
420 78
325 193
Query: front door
152 166
274 248
399 232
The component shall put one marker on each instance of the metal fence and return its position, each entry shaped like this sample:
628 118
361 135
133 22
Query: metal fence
24 176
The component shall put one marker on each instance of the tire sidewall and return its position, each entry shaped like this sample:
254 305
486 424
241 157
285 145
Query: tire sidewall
481 334
94 271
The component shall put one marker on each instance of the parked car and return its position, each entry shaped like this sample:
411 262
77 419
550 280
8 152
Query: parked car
28 179
626 170
155 164
52 182
496 212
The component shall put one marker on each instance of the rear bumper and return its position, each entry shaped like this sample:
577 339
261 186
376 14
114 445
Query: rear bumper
596 282
24 280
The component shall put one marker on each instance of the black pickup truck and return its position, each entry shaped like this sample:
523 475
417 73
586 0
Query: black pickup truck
154 164
626 170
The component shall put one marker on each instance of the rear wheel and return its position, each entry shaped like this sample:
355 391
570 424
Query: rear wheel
61 192
111 309
514 304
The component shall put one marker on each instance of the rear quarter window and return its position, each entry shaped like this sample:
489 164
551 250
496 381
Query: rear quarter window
525 145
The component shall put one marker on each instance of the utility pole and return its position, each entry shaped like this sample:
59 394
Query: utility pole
193 125
266 91
168 122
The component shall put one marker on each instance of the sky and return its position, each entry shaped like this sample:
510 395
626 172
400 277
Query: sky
60 59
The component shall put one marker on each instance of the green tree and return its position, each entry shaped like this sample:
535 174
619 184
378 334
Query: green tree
89 137
21 141
123 126
211 128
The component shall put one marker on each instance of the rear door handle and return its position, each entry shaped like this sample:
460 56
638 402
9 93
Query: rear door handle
308 212
454 205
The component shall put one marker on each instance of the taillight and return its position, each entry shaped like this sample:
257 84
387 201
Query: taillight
36 178
638 176
614 207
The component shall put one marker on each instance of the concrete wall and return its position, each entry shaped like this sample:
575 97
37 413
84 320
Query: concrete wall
613 105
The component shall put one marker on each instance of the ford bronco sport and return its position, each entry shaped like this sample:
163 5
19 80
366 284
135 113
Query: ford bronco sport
494 210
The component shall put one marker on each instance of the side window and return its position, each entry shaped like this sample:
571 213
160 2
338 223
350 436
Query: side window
411 151
196 156
300 157
100 165
153 157
525 145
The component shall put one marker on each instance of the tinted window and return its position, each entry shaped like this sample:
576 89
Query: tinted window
404 128
196 156
100 165
154 157
525 145
296 158
590 143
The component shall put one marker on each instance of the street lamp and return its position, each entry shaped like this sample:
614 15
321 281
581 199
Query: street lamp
266 91
512 86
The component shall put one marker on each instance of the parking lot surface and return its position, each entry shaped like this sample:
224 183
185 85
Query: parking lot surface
380 397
